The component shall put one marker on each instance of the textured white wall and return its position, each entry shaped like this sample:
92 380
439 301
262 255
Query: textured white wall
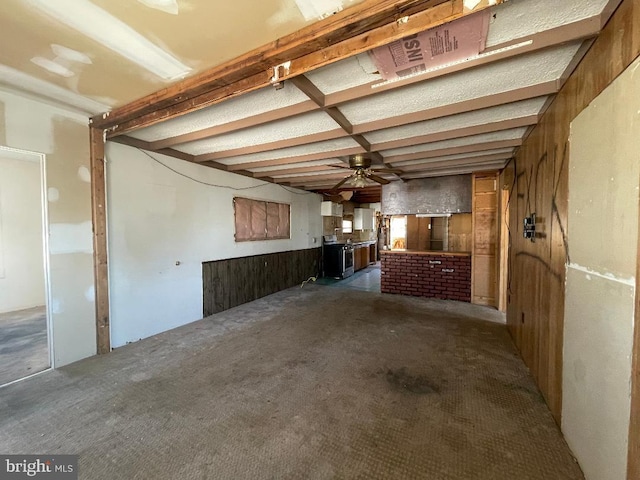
158 218
22 282
600 287
63 136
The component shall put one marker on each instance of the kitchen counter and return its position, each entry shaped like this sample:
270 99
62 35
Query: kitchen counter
364 254
444 275
424 252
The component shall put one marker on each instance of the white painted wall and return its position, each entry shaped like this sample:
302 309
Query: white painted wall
63 136
157 218
599 308
22 281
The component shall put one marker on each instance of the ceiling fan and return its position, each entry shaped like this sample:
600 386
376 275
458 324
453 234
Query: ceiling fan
363 172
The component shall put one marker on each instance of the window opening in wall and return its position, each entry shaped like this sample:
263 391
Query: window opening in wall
347 226
260 220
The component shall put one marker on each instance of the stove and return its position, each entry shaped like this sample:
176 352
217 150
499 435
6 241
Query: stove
338 258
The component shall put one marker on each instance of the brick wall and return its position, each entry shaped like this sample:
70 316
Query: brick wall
426 275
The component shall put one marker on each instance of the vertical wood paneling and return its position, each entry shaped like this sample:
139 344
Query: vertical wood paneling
535 313
231 282
484 277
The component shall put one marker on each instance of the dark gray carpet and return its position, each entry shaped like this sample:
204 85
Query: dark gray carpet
23 343
313 383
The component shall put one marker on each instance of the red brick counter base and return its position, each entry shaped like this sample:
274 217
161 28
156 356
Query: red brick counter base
427 274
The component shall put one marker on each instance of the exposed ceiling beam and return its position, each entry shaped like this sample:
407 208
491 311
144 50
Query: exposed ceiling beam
236 125
476 147
524 93
314 178
142 145
296 159
278 144
288 171
426 166
582 29
458 132
356 29
457 170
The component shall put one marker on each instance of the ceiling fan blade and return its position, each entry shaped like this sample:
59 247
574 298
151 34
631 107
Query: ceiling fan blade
386 170
380 180
341 182
347 167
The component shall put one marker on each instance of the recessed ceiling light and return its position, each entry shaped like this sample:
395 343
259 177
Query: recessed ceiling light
52 67
99 25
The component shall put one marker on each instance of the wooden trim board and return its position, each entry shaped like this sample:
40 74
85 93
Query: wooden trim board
100 255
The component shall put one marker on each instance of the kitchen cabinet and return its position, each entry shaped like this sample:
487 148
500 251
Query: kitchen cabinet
363 219
363 254
331 209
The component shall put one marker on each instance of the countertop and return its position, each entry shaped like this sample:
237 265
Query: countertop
423 252
362 244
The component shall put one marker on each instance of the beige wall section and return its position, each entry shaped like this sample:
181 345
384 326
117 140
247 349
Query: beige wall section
22 283
64 137
599 306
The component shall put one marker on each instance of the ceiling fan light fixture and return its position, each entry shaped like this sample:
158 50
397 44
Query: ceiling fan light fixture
360 181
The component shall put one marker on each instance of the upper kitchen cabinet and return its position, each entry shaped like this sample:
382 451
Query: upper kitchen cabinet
363 219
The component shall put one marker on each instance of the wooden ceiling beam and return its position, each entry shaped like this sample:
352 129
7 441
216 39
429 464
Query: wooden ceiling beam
278 144
462 170
356 29
236 125
426 166
476 147
295 159
580 30
287 171
458 132
313 178
524 93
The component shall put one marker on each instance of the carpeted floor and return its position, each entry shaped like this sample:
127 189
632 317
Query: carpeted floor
312 383
23 343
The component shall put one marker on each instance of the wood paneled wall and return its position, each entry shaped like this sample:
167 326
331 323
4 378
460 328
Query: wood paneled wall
232 282
484 276
535 312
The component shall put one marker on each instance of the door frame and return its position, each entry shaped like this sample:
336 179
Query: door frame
42 160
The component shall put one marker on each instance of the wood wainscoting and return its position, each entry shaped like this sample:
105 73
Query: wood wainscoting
234 281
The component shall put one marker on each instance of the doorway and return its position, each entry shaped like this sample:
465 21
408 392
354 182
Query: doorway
25 346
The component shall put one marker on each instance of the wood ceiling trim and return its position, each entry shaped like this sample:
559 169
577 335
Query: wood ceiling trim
580 30
359 28
314 178
524 93
236 125
477 147
287 171
307 87
486 167
454 163
169 152
583 29
459 132
278 144
296 159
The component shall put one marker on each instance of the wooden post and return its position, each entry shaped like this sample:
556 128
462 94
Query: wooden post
633 459
99 222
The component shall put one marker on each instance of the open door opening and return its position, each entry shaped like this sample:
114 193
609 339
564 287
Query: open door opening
24 286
